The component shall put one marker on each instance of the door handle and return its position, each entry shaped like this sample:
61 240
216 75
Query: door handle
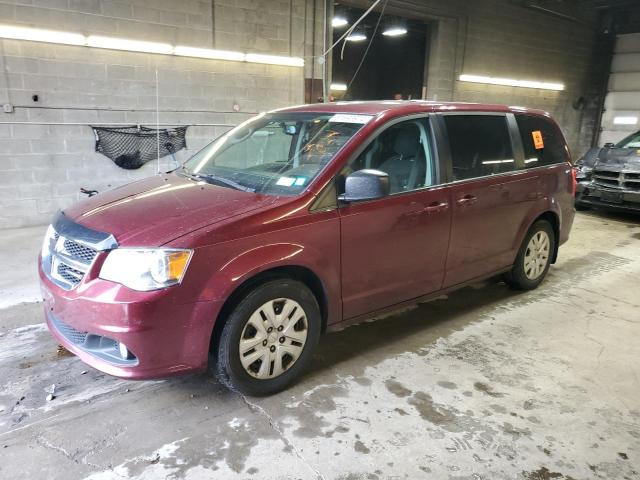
467 200
436 207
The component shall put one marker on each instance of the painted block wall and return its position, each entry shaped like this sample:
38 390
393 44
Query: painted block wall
42 166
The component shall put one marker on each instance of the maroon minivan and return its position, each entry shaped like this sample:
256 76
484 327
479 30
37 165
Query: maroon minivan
299 221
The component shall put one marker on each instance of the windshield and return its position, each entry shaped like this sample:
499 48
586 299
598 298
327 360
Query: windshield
276 153
632 141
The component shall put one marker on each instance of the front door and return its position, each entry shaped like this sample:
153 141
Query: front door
394 248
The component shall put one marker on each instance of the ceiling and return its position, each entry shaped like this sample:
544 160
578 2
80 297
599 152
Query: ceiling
606 16
609 16
608 4
369 23
617 16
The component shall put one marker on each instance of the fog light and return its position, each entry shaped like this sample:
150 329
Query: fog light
124 351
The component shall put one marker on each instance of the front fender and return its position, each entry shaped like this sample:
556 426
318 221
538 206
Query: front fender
260 259
249 263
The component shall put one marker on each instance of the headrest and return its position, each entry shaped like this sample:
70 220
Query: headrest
407 142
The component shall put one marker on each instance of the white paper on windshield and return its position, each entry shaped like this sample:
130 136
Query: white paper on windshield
350 118
286 181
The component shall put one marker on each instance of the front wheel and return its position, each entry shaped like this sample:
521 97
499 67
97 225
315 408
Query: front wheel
269 338
534 258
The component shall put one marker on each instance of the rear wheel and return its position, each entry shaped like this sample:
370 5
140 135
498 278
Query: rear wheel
534 258
269 338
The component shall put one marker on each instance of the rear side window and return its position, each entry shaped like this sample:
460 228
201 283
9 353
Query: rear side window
480 145
543 144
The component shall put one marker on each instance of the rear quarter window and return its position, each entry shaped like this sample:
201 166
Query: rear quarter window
542 141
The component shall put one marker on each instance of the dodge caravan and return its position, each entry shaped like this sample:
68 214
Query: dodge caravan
300 221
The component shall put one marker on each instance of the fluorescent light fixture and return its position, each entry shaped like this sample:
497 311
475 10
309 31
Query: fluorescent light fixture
338 22
274 60
113 43
530 160
511 82
395 32
625 120
356 36
208 53
338 87
40 35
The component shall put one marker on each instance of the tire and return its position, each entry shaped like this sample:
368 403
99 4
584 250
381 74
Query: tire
581 207
250 322
524 276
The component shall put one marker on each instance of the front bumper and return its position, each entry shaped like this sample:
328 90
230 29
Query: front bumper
165 337
591 194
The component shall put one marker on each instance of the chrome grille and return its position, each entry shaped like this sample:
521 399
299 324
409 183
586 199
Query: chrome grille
607 179
71 275
632 181
623 180
68 260
82 253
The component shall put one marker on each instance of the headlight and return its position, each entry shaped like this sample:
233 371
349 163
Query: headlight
46 243
146 269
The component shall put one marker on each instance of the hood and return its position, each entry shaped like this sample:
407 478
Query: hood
156 210
616 159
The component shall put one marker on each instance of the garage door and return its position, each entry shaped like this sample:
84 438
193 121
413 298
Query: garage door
622 104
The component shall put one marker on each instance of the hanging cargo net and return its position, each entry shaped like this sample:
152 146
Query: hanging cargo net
132 147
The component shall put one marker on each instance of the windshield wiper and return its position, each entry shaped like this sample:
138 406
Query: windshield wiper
208 177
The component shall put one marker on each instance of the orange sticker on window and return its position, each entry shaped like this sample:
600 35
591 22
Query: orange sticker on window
538 143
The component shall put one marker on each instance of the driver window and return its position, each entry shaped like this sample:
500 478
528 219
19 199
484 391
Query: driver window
403 152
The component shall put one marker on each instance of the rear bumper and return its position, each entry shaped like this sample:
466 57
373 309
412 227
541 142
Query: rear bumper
590 194
164 338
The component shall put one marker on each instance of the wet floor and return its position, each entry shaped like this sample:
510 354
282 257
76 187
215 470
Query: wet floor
486 384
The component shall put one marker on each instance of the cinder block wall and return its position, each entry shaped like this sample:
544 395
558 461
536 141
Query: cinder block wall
43 166
534 45
510 40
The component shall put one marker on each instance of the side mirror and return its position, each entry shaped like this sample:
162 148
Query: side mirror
609 145
365 185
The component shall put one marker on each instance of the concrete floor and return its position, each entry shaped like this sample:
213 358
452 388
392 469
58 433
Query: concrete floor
489 384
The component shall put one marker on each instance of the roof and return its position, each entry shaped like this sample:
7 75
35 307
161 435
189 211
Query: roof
405 107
